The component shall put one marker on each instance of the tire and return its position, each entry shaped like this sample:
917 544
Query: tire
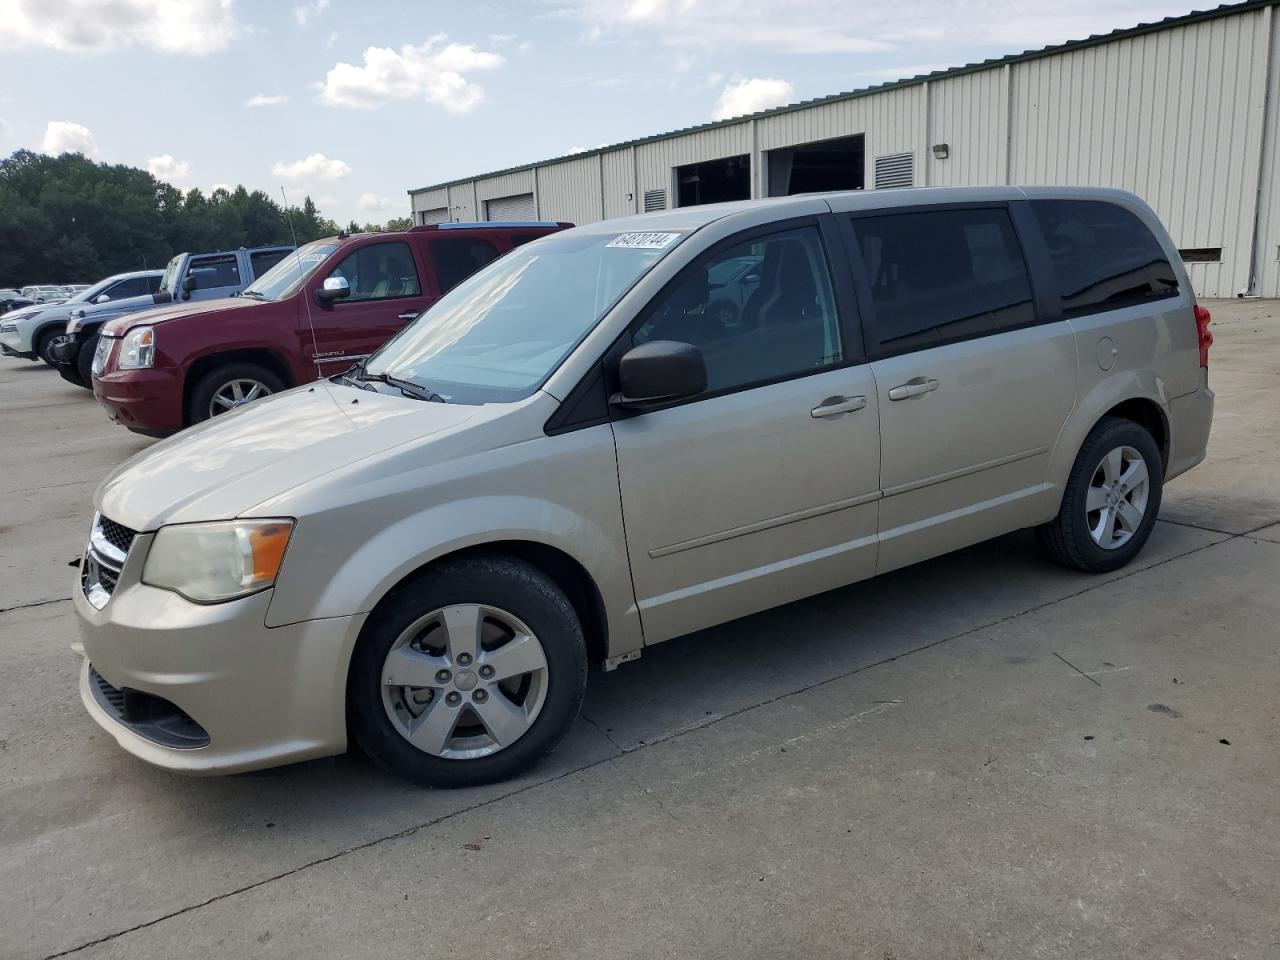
43 341
1076 536
84 361
221 380
466 753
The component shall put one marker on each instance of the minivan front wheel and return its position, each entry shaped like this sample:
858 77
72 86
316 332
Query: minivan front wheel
1111 499
467 674
230 386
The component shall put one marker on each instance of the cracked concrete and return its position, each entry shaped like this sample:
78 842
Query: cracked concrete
904 767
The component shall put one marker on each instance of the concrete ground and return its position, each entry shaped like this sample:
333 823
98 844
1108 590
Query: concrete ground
981 756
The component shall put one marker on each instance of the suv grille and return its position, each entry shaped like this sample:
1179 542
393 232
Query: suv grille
104 558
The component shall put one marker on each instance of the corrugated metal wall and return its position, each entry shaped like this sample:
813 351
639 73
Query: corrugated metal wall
1178 116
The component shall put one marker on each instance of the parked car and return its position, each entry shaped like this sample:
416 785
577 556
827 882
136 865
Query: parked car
187 277
13 302
44 293
9 293
567 458
32 333
71 289
312 315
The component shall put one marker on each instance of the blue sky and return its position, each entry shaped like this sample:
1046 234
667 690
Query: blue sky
356 101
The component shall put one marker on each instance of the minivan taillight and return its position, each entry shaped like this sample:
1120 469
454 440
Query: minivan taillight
1203 334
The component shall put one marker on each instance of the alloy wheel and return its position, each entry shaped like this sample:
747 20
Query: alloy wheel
464 681
1117 499
236 393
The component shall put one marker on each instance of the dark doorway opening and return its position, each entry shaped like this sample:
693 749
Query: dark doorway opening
714 181
818 167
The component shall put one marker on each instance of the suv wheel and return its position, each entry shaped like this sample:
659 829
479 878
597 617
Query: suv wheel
1111 499
44 340
84 361
467 674
229 386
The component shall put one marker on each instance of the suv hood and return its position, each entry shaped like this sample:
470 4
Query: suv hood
220 469
150 316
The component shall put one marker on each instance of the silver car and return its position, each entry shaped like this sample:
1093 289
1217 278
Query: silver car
570 457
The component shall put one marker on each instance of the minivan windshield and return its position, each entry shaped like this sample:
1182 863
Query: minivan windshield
499 334
285 277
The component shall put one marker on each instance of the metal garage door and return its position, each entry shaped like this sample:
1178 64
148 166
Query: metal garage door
434 215
519 207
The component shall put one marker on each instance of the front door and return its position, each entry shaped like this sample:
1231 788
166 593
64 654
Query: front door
763 489
387 292
974 386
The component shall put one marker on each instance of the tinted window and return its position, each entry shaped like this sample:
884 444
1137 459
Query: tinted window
153 284
263 261
1104 257
380 271
219 271
940 275
787 325
133 287
460 257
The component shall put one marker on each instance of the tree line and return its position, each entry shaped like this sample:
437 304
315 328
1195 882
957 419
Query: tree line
69 219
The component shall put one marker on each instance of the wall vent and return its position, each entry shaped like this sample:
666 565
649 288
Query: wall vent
655 200
1201 255
895 170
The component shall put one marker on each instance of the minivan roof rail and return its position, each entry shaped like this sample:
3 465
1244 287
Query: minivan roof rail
486 224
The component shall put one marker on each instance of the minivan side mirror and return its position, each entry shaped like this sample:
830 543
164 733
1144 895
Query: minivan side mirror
333 288
658 372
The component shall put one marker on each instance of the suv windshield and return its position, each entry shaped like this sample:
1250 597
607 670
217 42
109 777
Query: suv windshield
500 333
170 272
285 277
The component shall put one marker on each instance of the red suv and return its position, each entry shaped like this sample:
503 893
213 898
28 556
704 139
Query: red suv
312 315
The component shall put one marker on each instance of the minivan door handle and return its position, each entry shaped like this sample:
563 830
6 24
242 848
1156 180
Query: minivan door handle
835 406
913 388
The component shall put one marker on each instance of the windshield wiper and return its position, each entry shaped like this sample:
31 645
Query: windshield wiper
358 374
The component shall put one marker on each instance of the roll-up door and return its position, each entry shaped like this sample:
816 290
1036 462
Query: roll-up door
518 207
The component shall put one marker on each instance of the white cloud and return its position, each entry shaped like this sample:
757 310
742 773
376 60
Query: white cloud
302 12
315 167
749 96
63 137
573 150
332 41
371 201
267 100
172 26
165 167
433 71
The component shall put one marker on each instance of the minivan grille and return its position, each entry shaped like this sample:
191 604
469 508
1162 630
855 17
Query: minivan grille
104 559
116 534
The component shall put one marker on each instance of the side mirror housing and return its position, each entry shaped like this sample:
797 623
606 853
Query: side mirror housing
101 298
189 283
659 372
333 288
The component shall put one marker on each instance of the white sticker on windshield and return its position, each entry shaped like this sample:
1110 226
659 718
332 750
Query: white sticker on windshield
314 257
644 241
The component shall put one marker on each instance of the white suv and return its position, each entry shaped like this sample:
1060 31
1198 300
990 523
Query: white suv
572 455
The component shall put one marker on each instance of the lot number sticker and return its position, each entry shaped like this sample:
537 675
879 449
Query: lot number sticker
644 241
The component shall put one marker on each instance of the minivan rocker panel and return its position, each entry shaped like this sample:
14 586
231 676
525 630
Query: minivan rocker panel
860 414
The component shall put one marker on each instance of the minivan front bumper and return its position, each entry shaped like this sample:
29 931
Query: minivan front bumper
254 696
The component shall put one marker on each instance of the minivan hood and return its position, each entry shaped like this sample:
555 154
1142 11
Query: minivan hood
150 316
219 469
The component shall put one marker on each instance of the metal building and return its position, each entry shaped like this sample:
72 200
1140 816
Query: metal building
1182 112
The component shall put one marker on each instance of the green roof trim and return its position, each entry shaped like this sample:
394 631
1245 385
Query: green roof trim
1097 39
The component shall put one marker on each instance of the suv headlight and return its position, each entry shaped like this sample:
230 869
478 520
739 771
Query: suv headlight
138 349
213 562
9 327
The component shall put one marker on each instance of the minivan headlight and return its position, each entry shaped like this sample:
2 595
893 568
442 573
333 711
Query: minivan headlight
138 349
213 562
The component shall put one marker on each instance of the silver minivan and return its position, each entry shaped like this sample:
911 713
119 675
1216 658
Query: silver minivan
570 457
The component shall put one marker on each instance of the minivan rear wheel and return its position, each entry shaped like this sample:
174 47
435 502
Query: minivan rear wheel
468 673
230 386
1111 499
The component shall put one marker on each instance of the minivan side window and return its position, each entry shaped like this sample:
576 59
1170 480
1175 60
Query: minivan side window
457 258
1105 258
264 260
217 271
380 271
941 275
786 325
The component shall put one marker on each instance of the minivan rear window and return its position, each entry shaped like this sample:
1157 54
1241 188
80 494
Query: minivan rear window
942 275
1105 258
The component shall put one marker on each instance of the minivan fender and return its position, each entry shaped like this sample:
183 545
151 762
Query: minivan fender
1123 387
365 573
